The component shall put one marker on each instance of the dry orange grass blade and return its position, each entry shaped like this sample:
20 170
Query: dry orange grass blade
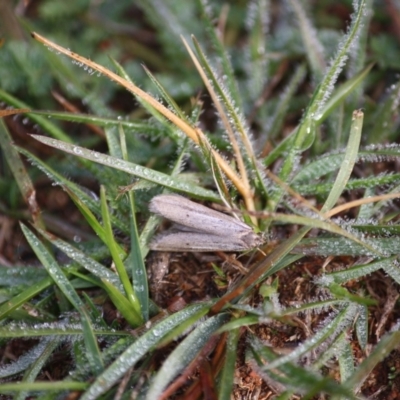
13 111
247 193
194 134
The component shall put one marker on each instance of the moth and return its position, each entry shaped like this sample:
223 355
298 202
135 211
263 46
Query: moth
198 228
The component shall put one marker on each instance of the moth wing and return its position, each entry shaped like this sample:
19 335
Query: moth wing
196 241
196 216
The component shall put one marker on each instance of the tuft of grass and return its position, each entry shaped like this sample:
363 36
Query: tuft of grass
286 134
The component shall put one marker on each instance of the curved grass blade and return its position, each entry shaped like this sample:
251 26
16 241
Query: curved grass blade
221 53
139 348
231 114
330 329
43 122
92 221
180 358
296 378
342 246
85 198
135 260
193 133
342 92
227 374
40 360
35 289
382 350
117 258
348 161
131 168
91 265
20 173
305 133
313 47
93 353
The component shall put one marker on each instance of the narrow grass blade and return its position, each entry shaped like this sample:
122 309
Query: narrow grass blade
170 101
92 119
20 173
91 265
348 162
137 350
117 258
379 353
306 131
131 168
93 352
340 246
92 221
360 270
43 122
328 226
135 260
313 47
296 378
342 92
54 386
40 360
227 70
25 361
83 196
17 301
187 350
362 327
122 304
346 359
330 328
228 372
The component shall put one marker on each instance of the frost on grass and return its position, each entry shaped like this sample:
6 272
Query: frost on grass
346 45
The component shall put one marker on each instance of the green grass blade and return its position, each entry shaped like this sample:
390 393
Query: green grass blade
43 122
228 371
136 264
92 221
34 370
20 173
93 352
123 305
306 130
136 126
137 350
135 260
342 92
227 70
295 378
186 352
54 386
313 47
348 161
362 327
379 353
85 198
84 260
131 168
330 328
117 257
17 301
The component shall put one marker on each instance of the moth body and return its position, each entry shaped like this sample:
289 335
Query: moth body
199 228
